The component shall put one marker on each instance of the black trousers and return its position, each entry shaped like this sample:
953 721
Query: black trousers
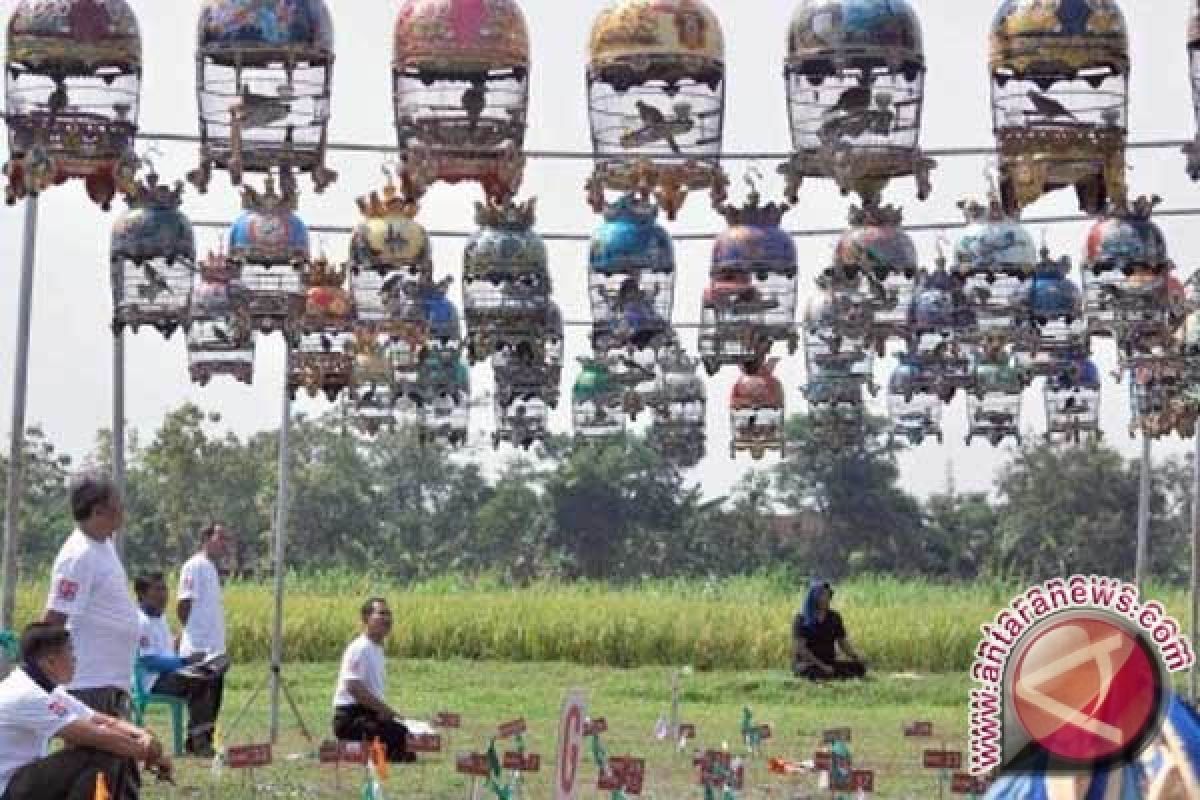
114 702
841 671
70 775
203 699
361 724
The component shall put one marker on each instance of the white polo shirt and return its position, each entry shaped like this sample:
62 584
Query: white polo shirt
363 661
154 640
88 585
205 629
29 718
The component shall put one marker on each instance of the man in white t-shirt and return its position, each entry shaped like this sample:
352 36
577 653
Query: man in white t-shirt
89 595
360 709
199 606
34 708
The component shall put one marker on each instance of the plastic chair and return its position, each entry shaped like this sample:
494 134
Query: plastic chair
143 699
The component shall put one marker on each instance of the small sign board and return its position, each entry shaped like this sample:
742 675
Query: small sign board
522 762
474 764
964 783
918 730
716 769
425 743
342 753
687 730
943 759
859 780
625 774
248 756
447 719
508 730
595 727
835 735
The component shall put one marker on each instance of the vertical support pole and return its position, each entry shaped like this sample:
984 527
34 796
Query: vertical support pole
281 505
118 425
1143 520
1194 677
12 505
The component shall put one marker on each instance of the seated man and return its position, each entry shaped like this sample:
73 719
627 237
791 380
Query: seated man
360 712
156 657
34 708
817 634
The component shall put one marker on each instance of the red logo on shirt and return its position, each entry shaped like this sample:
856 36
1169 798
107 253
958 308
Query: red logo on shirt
57 708
67 590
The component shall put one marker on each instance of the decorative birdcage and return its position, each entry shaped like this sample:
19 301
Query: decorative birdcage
1159 402
387 246
750 303
758 412
994 398
679 402
1193 149
371 399
837 352
153 260
995 257
1072 399
876 249
631 269
597 402
445 343
942 326
264 80
270 245
914 402
522 420
323 350
460 87
1056 330
506 281
656 98
446 412
856 87
73 89
1060 75
220 339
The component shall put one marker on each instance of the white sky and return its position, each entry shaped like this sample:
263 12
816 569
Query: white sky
70 375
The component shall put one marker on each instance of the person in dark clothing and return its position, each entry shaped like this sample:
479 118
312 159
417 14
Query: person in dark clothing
360 709
817 635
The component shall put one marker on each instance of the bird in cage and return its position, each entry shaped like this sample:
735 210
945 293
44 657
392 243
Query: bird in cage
656 126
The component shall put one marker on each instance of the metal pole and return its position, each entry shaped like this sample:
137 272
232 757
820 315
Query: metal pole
1143 520
118 424
281 505
12 505
1194 677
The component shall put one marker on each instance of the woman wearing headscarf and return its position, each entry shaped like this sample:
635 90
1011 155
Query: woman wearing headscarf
818 634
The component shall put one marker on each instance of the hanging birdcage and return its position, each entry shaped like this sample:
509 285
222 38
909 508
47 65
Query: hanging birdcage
521 417
1060 73
994 397
1193 149
220 340
679 403
837 353
323 347
631 269
1159 402
876 249
371 399
995 258
758 412
856 87
914 403
656 99
506 281
445 414
460 87
1072 398
1056 330
750 303
387 247
153 260
597 402
264 81
73 89
270 245
942 326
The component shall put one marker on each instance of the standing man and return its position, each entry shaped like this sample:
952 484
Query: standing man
89 596
360 710
161 667
199 606
34 709
818 634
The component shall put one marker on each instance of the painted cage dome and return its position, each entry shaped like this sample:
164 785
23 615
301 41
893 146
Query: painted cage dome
939 303
634 41
74 37
460 36
388 237
154 227
268 232
1001 376
1127 242
876 243
594 384
1058 37
249 32
993 241
1052 293
505 242
754 241
907 379
757 389
442 316
630 240
827 35
325 296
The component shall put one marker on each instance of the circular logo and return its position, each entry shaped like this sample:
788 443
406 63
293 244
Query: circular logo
1087 689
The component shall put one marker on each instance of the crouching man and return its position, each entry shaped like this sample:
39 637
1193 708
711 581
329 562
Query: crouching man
360 709
34 708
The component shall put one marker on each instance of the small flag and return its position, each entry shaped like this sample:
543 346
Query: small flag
101 792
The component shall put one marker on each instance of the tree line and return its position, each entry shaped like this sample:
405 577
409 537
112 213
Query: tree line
614 511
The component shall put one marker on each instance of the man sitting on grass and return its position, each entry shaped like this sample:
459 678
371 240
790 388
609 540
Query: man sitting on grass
360 710
817 634
35 708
